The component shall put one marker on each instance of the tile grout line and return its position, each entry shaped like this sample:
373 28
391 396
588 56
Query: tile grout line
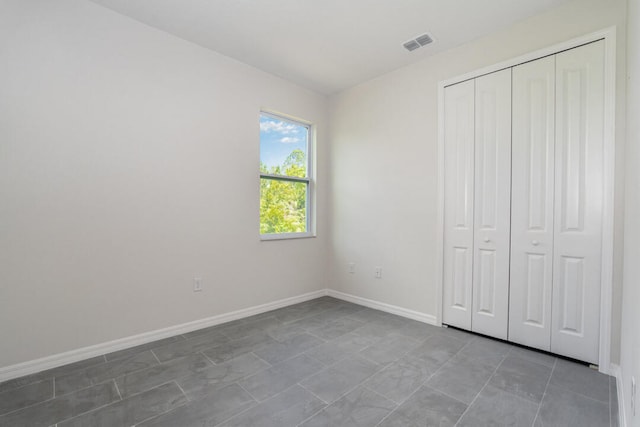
154 355
394 409
249 393
117 388
209 359
256 401
36 403
360 384
182 390
89 411
483 387
312 415
315 395
555 362
259 358
164 412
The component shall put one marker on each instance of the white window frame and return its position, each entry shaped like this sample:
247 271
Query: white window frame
309 180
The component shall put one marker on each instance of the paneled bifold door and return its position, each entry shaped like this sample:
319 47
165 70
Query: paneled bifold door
523 202
477 197
491 204
532 204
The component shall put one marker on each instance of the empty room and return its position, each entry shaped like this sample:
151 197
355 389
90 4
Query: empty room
319 213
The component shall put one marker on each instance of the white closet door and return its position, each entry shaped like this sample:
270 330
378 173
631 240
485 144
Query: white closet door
578 202
532 203
492 204
458 206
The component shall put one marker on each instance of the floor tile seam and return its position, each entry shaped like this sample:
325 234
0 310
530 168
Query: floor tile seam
168 410
578 393
117 389
314 395
422 384
98 379
529 377
360 353
288 358
256 403
269 365
421 340
26 407
380 395
445 363
405 400
156 356
481 389
527 359
95 383
437 390
65 394
544 393
602 402
129 396
182 391
387 416
13 389
368 387
159 414
359 384
312 415
89 411
208 358
249 393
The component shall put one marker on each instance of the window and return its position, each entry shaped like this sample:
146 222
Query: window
285 178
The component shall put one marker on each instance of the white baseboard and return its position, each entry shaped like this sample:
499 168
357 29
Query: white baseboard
37 365
617 372
53 361
393 309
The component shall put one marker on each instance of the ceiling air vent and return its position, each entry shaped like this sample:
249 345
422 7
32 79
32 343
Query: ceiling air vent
419 41
424 39
411 45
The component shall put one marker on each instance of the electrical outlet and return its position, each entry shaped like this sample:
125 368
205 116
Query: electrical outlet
377 273
197 284
352 267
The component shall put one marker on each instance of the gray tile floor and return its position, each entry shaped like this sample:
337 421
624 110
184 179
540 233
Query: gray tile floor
320 363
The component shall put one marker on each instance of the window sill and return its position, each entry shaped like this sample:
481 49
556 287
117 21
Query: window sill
286 236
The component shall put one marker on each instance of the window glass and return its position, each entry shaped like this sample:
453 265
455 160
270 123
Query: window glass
285 182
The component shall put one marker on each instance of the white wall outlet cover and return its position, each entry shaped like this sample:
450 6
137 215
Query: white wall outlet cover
351 267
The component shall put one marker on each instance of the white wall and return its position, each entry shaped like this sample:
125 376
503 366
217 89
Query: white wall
630 350
128 165
384 159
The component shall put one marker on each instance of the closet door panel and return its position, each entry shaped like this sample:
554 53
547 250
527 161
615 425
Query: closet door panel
532 203
458 209
578 202
492 204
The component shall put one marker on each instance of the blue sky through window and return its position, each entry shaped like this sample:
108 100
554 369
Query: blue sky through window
278 138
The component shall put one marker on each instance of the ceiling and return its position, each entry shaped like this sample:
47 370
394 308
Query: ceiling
327 45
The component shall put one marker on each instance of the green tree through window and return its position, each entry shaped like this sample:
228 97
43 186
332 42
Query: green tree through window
284 176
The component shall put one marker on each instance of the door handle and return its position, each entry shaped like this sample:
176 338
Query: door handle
487 240
535 242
